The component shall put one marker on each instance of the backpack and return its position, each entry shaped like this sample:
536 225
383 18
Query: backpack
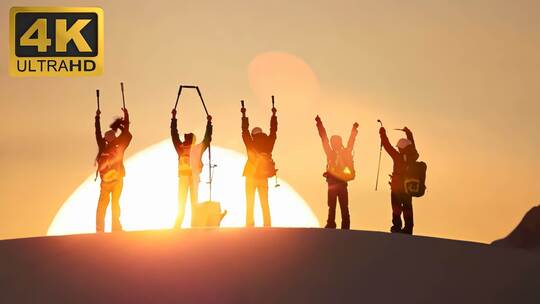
264 165
415 179
343 166
108 165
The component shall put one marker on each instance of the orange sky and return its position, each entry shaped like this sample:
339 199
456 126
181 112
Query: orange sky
463 75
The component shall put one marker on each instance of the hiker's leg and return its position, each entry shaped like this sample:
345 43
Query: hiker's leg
103 203
250 201
115 205
183 184
332 200
408 214
343 196
262 188
193 195
396 212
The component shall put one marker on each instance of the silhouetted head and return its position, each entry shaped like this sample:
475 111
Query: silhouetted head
256 131
110 136
189 138
258 135
118 123
336 142
403 144
407 150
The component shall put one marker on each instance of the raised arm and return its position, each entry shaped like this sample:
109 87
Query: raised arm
385 142
126 121
246 136
208 133
273 124
99 138
409 136
323 135
174 131
352 137
125 137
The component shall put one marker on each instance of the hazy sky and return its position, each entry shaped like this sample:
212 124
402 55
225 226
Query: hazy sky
463 75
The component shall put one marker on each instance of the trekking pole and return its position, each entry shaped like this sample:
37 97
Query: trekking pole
202 100
97 99
379 166
123 97
277 184
210 166
178 96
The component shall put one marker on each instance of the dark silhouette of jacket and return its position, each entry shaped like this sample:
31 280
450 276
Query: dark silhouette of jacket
192 151
401 160
113 152
257 145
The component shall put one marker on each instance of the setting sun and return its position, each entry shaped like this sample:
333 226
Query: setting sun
149 199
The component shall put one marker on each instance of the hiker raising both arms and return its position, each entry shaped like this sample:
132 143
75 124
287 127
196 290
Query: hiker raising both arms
339 171
110 162
404 159
189 165
259 166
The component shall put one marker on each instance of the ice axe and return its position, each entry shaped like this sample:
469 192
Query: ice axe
123 96
379 166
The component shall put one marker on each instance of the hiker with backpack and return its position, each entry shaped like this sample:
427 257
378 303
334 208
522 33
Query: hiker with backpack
339 171
110 162
259 166
189 165
407 179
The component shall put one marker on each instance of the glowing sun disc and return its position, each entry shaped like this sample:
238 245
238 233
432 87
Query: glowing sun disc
149 199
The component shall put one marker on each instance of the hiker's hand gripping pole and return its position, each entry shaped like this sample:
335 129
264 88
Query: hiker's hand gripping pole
243 108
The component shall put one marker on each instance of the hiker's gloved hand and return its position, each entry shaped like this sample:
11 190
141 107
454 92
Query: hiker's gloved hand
406 130
173 112
243 110
317 119
274 110
382 131
98 112
125 111
209 118
355 125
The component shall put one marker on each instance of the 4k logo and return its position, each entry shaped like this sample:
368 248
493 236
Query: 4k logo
56 41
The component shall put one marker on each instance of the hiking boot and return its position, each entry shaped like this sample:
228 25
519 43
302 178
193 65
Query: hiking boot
395 229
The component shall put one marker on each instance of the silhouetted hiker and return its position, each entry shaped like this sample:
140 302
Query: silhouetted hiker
339 170
403 157
259 166
189 165
110 161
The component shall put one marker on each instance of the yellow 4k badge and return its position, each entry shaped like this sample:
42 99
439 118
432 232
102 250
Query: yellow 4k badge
56 41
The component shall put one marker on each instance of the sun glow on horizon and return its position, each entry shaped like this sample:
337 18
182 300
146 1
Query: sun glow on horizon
149 199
